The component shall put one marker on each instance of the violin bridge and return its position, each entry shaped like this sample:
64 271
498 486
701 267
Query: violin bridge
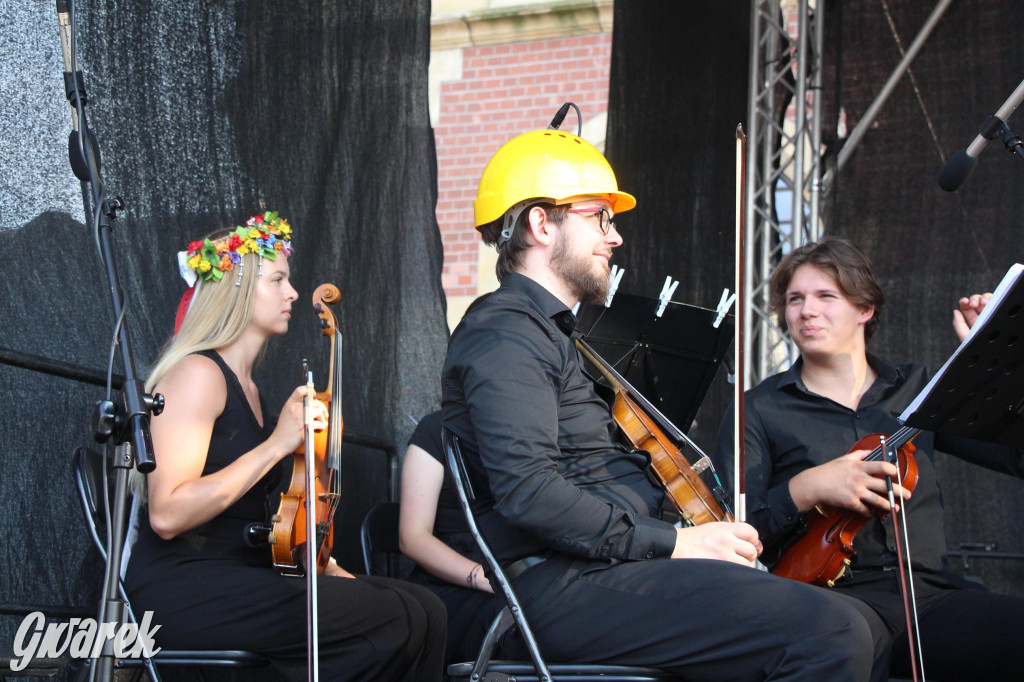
701 465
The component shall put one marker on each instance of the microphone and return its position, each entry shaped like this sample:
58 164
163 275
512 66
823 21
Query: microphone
961 164
559 116
74 88
64 21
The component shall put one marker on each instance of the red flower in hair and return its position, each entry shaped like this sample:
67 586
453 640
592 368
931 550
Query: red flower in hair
194 246
234 242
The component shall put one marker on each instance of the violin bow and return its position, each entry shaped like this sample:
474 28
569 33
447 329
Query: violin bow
906 574
739 440
312 546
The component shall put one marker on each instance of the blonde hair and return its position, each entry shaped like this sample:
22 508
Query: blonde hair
219 313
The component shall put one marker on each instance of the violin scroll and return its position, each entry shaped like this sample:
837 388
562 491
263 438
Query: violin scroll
326 294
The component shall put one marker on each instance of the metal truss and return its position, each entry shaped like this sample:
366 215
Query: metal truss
785 182
784 164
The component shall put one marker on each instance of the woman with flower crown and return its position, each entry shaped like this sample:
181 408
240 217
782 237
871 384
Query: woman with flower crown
218 452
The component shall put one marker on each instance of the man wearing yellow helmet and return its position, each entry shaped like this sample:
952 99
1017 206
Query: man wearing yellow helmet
573 515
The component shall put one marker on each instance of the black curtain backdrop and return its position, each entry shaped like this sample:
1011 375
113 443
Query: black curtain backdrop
930 247
207 113
678 89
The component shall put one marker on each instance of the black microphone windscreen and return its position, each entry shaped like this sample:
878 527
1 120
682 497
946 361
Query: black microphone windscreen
956 170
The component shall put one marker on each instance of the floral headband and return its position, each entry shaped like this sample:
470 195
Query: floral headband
265 235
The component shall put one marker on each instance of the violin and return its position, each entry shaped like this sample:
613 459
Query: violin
821 555
636 419
288 533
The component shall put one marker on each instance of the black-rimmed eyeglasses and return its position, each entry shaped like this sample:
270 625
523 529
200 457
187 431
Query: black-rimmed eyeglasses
604 220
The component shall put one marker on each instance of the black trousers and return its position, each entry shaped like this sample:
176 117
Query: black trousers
470 613
703 619
370 628
967 633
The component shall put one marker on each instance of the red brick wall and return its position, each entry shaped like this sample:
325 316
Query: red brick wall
505 90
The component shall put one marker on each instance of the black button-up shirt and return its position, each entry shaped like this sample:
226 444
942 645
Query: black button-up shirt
538 438
789 429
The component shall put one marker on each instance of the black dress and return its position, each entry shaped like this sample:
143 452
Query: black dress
470 611
208 589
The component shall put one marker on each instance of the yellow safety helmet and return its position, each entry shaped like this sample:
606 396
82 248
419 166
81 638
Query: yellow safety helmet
545 164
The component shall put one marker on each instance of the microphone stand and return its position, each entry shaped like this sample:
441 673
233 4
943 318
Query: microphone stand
954 173
993 127
1009 139
124 420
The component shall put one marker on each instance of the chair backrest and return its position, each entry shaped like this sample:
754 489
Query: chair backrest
379 537
453 454
94 492
89 469
90 479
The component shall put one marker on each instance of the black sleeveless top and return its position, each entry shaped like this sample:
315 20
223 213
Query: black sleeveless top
235 432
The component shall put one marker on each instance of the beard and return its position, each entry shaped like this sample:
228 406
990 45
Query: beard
586 281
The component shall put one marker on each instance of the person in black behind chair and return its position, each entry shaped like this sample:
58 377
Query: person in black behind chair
434 534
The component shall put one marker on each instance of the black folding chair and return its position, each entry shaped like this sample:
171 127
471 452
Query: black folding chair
90 478
379 538
485 669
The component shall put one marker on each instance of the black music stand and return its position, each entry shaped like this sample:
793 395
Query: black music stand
979 392
671 359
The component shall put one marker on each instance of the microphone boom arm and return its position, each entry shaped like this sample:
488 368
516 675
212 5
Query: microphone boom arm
961 164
